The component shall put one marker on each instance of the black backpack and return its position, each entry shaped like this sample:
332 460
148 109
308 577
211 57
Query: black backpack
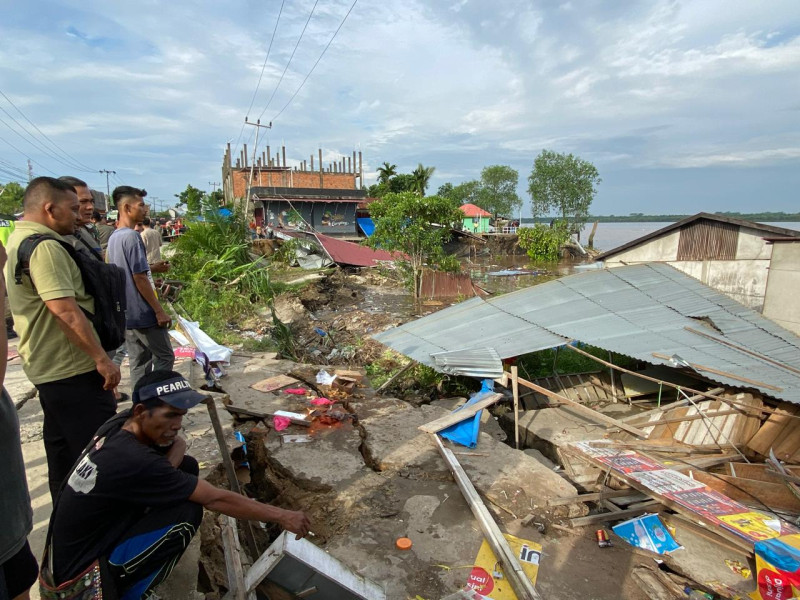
103 281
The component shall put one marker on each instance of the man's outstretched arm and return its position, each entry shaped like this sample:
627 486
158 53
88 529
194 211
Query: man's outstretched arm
240 507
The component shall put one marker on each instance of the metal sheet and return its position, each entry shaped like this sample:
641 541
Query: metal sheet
635 311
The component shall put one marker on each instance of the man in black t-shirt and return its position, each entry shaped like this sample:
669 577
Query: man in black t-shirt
134 498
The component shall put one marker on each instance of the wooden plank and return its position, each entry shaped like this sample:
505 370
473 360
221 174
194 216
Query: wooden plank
664 407
230 470
512 570
693 417
702 462
233 560
642 507
751 492
759 472
590 497
764 439
463 413
707 369
585 410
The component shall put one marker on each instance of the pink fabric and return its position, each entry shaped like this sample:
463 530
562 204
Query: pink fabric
280 423
321 402
295 391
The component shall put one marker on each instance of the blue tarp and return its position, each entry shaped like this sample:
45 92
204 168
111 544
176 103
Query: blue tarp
367 225
466 432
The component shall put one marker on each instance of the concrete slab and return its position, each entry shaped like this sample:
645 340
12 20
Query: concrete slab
331 461
549 429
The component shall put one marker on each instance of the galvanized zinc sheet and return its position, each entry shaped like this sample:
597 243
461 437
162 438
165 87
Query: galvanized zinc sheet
636 310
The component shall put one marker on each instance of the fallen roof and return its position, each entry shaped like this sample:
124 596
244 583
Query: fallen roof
471 210
769 230
348 253
635 310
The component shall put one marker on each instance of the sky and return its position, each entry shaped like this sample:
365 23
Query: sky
682 106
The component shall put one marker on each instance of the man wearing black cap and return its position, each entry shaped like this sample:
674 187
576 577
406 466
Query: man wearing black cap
134 499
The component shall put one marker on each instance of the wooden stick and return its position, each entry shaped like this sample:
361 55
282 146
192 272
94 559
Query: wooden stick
666 407
392 379
592 497
233 559
710 415
697 367
708 394
467 411
512 570
615 516
592 415
515 390
249 536
745 350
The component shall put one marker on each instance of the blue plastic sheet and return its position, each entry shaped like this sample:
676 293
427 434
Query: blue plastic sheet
466 432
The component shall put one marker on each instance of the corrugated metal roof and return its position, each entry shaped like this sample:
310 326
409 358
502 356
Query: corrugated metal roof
634 310
348 253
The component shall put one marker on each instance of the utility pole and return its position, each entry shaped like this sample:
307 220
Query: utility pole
214 185
108 185
258 127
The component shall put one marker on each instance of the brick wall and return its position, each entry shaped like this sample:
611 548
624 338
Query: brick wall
288 179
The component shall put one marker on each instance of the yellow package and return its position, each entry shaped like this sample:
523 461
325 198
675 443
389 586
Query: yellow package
778 568
487 577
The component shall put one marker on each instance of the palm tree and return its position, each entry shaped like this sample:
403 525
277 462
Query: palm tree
386 172
422 177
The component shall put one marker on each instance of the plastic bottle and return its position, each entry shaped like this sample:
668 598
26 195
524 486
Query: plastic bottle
697 594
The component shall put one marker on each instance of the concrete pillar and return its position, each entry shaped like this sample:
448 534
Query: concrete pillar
312 163
283 148
244 151
269 157
360 169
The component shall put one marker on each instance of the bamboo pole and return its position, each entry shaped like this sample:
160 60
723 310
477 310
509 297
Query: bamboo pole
515 390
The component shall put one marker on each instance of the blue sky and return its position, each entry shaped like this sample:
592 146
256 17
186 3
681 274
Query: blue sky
682 106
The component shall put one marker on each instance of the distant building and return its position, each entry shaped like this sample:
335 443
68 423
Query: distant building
783 284
476 220
730 255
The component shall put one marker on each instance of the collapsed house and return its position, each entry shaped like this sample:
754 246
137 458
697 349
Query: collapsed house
711 456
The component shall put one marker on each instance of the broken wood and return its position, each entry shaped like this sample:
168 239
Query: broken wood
506 558
230 470
592 497
698 367
774 496
585 410
640 508
394 377
465 412
233 560
701 462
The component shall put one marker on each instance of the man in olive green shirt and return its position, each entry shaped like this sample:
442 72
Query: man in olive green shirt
61 353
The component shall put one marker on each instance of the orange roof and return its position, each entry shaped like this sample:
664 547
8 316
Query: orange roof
470 210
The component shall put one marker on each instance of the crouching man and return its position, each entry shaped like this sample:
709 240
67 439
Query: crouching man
134 500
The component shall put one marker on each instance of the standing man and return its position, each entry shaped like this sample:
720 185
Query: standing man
152 242
146 338
61 353
104 230
85 235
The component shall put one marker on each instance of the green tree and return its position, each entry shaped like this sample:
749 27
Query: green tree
11 198
402 182
192 199
563 183
386 172
542 242
407 222
498 190
422 177
445 190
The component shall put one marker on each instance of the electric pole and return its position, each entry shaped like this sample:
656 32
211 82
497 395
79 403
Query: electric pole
214 185
258 127
108 185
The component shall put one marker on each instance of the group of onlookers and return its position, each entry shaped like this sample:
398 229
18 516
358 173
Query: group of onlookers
126 496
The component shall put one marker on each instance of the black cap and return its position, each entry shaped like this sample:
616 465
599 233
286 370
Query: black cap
176 392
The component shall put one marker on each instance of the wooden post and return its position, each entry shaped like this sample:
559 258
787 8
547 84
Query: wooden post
250 538
611 373
394 377
512 570
233 560
515 390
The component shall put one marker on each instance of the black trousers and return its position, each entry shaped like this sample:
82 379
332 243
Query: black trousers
74 408
18 573
151 547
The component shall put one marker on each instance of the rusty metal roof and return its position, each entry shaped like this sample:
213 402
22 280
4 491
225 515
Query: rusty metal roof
635 310
348 253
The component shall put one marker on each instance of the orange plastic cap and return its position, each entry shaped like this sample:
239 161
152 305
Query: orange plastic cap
403 543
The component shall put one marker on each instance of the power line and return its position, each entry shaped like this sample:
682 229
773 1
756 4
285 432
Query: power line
65 153
311 14
35 144
352 6
26 156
